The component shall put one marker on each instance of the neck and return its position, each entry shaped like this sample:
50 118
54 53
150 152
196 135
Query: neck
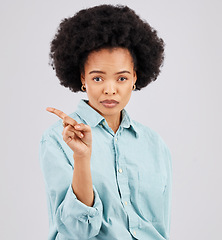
114 121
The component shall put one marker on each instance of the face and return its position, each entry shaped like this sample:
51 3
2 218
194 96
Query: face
109 75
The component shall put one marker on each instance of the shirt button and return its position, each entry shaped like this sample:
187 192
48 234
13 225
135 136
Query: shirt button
115 139
125 202
134 232
120 170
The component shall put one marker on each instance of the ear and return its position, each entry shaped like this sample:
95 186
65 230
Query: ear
82 79
134 77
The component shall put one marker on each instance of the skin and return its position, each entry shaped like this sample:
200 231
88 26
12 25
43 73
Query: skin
77 136
103 80
82 149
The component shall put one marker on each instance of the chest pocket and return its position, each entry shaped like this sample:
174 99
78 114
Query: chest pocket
151 195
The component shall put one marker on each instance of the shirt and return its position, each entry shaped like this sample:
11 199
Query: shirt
131 174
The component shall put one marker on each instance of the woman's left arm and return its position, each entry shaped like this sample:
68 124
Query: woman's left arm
168 193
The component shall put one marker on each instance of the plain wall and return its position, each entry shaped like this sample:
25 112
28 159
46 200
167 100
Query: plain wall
183 105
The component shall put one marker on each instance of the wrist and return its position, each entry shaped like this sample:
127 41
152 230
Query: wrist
82 166
85 158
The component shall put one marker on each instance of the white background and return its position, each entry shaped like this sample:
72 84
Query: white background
183 105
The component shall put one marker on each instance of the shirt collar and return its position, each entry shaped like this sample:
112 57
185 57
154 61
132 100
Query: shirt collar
93 118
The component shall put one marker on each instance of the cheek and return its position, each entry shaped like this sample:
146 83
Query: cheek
125 94
91 89
127 90
93 92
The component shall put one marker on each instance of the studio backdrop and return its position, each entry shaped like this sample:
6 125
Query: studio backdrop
183 105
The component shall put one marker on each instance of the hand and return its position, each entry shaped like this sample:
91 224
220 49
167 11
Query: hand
77 136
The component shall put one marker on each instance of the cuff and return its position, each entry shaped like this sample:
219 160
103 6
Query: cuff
74 208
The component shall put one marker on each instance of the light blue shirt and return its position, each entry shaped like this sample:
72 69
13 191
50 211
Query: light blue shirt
132 181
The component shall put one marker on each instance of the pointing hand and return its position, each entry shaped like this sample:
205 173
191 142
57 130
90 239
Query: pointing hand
77 136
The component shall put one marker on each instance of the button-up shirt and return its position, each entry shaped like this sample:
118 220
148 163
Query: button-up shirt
131 175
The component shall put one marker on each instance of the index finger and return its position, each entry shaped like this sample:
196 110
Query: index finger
66 119
56 112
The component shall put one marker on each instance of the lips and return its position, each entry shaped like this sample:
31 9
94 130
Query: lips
109 101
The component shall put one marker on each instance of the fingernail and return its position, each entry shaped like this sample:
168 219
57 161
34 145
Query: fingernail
49 109
77 126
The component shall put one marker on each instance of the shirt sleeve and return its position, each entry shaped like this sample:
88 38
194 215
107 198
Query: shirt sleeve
67 215
168 194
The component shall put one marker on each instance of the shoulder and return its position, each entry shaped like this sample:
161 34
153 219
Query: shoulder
154 143
152 137
145 131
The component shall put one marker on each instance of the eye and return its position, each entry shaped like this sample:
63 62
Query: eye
97 79
122 79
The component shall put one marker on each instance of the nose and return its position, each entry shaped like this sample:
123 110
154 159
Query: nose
110 89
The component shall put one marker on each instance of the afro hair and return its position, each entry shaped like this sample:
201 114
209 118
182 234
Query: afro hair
105 26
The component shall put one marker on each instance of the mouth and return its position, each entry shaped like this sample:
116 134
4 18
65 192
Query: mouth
109 103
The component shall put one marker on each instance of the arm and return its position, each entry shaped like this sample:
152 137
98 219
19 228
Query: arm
68 216
168 194
82 181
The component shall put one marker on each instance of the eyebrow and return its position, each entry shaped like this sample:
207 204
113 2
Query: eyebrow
95 71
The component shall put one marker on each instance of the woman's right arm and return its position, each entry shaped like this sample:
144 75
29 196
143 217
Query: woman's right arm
68 215
82 181
74 205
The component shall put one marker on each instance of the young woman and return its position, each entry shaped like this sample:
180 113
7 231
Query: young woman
107 176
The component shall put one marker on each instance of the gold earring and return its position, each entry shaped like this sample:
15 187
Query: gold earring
134 87
83 88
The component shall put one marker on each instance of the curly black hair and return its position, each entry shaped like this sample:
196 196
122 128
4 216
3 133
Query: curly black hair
105 26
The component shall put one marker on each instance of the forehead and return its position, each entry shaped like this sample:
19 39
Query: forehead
109 57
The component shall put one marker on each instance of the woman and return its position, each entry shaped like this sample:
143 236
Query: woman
107 176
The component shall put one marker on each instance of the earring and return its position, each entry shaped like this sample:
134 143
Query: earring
83 88
134 87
